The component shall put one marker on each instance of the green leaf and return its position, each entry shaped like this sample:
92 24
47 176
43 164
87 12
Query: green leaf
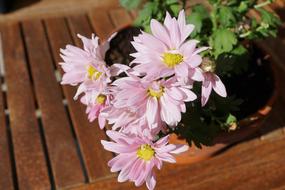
231 119
196 131
174 9
130 4
203 12
197 20
170 2
223 40
226 16
269 18
197 17
145 14
243 7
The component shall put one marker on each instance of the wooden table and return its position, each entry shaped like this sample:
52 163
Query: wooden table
47 143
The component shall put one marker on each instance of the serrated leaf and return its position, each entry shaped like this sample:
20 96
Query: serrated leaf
130 4
226 16
223 40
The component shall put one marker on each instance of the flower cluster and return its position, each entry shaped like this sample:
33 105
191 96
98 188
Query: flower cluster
148 100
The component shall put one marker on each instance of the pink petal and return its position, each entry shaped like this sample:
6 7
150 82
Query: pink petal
102 122
119 137
206 91
159 32
151 110
188 47
124 174
166 157
194 61
163 141
150 181
179 149
181 70
219 87
190 96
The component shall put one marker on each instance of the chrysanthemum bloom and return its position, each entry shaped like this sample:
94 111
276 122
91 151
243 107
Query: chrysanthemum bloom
166 52
87 66
211 81
159 100
96 102
129 121
83 64
137 156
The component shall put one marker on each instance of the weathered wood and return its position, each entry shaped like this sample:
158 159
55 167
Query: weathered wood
101 23
65 161
120 18
254 165
88 134
31 166
6 181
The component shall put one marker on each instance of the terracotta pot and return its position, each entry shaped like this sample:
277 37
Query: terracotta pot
247 127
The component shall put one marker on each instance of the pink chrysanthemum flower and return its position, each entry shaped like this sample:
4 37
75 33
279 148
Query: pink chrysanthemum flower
84 64
87 66
211 81
166 52
159 100
129 121
96 102
137 156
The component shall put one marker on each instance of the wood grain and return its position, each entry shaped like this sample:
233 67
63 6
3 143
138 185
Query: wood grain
101 23
253 165
6 180
31 167
120 18
88 134
62 151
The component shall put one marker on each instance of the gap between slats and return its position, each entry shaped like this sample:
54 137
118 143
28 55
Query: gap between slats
38 113
65 103
10 175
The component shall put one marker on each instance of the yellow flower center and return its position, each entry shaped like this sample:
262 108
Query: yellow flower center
156 93
145 152
93 73
172 59
101 99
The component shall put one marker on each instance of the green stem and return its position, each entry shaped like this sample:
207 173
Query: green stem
213 17
262 4
245 34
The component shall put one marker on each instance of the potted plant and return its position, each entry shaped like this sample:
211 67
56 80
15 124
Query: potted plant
189 77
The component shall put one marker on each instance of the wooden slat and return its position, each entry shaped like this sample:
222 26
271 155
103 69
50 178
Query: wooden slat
31 167
120 18
88 134
254 165
65 162
102 24
6 181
